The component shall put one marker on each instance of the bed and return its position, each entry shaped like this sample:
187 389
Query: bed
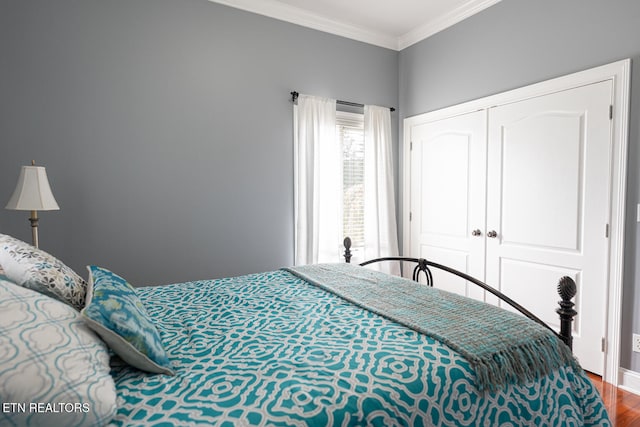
302 346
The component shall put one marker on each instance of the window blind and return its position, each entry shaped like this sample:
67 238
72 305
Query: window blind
350 133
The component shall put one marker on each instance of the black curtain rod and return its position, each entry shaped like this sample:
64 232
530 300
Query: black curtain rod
294 97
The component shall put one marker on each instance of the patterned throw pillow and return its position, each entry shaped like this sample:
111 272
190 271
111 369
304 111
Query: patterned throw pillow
116 313
35 269
54 371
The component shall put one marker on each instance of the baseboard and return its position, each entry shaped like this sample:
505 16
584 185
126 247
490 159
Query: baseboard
629 380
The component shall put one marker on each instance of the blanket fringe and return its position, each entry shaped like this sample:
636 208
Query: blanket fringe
524 363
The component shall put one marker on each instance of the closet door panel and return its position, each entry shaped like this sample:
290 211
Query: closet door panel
448 173
547 201
520 278
451 258
444 161
541 180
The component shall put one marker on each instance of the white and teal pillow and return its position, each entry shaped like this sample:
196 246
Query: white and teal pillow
35 269
116 313
48 356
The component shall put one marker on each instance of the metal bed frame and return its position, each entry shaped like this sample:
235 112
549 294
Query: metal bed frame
566 289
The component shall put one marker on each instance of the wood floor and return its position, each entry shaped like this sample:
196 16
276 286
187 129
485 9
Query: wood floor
623 407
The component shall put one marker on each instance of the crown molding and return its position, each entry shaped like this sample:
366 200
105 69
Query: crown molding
284 12
442 22
294 15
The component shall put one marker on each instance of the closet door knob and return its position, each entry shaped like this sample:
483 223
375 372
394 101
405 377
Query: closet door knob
492 234
476 232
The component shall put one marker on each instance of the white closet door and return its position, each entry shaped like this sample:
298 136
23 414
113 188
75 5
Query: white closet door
448 173
547 202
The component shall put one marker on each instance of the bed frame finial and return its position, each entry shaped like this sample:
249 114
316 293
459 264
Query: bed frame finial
347 249
567 289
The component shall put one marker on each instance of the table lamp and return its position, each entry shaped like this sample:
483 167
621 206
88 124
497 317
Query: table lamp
33 193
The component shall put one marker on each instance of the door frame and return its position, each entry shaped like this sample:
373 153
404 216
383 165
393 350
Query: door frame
619 73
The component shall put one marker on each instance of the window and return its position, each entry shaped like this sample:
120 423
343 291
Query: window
331 182
350 134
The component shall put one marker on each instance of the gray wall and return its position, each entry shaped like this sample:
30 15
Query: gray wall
166 129
519 42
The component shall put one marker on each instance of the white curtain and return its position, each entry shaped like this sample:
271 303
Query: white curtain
380 232
317 182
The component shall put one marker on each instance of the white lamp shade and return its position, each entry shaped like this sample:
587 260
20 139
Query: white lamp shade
32 192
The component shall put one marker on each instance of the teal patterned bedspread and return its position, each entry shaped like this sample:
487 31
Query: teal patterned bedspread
271 349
